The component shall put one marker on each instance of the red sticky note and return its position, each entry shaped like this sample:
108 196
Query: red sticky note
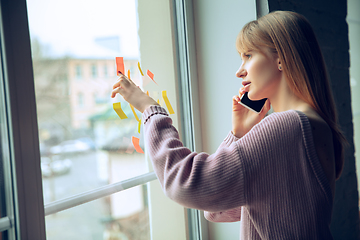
151 75
120 65
136 142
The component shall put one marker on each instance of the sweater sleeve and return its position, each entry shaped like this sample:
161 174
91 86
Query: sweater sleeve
232 215
213 183
195 180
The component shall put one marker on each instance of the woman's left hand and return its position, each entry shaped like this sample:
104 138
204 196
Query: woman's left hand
132 93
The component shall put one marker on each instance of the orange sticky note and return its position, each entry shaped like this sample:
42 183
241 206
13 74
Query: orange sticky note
136 142
120 65
129 74
167 102
119 111
151 75
142 74
147 93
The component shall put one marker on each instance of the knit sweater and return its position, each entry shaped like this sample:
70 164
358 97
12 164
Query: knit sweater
271 178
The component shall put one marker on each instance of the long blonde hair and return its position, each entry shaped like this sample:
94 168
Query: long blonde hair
291 36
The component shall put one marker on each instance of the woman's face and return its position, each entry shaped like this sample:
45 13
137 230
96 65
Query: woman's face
260 73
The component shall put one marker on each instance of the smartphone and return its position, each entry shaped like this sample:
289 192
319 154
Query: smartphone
255 106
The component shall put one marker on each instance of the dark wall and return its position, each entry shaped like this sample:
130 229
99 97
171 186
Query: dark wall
328 18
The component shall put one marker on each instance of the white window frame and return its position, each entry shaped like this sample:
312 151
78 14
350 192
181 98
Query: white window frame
28 218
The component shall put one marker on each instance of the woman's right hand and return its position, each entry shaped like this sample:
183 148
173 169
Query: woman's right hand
132 93
244 119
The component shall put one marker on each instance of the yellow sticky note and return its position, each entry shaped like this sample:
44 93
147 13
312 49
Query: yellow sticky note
136 117
119 111
142 74
167 102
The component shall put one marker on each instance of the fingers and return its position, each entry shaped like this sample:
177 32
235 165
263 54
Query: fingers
236 99
266 107
115 91
242 91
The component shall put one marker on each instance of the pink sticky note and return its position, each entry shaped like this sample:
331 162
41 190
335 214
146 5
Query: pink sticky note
120 65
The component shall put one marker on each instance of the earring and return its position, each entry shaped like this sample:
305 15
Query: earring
279 67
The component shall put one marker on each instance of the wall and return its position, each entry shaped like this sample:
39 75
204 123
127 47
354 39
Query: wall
353 20
216 26
328 19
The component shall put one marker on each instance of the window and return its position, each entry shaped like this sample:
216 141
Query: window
93 71
78 71
80 168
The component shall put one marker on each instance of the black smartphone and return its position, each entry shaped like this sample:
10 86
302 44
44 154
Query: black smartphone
255 106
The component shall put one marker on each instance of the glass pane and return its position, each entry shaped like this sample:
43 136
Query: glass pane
121 216
6 185
83 142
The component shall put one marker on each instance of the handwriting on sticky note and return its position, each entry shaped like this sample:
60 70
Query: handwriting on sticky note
136 142
142 74
119 111
120 65
167 102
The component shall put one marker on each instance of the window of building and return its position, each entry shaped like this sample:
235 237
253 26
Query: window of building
78 71
94 71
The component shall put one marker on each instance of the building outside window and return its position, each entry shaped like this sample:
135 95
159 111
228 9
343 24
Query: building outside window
78 71
94 73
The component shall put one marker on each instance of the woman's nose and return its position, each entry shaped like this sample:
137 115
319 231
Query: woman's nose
241 72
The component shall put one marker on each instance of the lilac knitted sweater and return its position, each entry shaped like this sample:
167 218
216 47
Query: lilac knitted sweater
271 178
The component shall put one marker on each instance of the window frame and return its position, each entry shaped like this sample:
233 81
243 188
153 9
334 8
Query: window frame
29 221
29 213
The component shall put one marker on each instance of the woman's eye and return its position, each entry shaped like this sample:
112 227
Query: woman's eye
247 56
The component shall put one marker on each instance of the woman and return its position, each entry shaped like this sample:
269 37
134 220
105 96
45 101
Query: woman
277 174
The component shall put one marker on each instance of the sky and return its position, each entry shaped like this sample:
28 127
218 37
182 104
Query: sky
70 27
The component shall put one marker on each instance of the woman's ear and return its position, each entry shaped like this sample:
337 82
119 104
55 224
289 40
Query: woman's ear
279 64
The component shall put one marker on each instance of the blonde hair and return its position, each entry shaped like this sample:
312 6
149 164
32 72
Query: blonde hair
291 36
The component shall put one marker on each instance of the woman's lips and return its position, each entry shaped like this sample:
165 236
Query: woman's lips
246 85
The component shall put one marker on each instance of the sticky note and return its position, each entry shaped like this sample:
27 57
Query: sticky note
136 142
129 74
151 75
119 111
120 65
167 102
136 117
142 74
147 93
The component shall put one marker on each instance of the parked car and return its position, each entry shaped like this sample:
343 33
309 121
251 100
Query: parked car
55 166
70 146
